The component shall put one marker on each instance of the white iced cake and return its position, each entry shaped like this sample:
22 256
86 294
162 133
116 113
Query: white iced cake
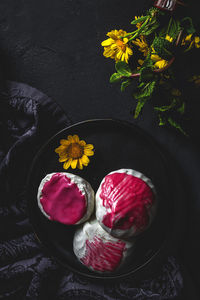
65 198
98 250
125 203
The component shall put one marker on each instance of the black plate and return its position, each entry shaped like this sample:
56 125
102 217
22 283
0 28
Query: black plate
117 145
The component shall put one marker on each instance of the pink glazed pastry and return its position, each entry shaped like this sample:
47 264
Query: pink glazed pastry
65 198
98 250
125 203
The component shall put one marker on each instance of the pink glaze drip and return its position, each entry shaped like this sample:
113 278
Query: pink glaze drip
103 256
129 199
62 200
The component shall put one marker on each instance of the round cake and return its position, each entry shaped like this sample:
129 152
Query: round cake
65 198
98 250
125 203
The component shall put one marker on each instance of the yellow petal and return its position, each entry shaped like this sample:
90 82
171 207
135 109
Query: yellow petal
88 152
140 61
89 146
64 142
169 38
113 47
57 150
108 51
80 165
70 138
60 149
82 143
107 42
74 163
155 57
129 51
188 37
136 42
119 55
126 57
76 138
108 54
112 34
197 41
85 160
123 57
161 64
63 158
67 164
125 40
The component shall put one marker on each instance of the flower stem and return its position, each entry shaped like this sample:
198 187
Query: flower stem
139 30
179 38
128 34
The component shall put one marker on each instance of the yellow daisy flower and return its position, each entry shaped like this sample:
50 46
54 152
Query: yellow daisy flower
169 38
74 152
193 41
197 41
141 42
116 46
186 39
159 62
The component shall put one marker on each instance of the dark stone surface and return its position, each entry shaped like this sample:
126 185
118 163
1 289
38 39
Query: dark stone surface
55 47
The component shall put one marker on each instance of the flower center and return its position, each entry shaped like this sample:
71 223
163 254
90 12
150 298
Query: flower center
75 151
120 44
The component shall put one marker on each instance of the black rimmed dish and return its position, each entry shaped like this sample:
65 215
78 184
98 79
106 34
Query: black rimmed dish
118 145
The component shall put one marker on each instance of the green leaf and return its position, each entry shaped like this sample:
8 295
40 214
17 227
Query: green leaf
163 32
141 85
115 77
174 28
141 19
176 125
143 95
123 69
187 23
148 62
181 109
162 121
146 91
163 47
146 74
166 107
151 29
125 84
140 104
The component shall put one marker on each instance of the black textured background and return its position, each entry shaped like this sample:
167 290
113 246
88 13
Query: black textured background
54 46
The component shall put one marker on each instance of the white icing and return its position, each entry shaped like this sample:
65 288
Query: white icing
89 231
82 185
101 210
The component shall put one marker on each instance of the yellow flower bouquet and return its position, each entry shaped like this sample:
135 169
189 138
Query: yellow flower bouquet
148 55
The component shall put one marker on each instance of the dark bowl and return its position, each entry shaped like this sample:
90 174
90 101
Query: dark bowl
117 145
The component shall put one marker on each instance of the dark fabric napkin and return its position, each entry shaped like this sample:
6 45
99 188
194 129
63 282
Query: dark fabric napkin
27 271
